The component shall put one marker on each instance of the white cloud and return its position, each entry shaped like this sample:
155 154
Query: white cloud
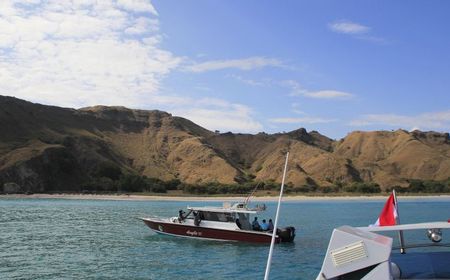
249 82
426 121
303 120
143 25
87 52
329 94
218 114
202 87
137 6
215 102
7 8
298 90
348 27
241 64
357 31
296 109
295 88
81 53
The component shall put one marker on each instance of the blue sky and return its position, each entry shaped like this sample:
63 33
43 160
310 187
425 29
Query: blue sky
241 66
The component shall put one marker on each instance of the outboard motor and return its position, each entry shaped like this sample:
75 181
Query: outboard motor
286 234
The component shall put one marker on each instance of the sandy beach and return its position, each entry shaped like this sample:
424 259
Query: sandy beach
217 198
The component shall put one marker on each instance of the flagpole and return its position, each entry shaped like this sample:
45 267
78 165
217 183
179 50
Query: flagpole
400 232
274 232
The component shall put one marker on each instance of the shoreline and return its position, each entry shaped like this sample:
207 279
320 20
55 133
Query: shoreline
296 198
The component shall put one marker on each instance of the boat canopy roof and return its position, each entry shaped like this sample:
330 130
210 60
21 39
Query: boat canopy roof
440 225
236 208
221 210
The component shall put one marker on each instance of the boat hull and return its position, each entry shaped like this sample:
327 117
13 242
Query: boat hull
200 232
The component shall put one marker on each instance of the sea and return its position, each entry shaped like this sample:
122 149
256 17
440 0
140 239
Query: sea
105 239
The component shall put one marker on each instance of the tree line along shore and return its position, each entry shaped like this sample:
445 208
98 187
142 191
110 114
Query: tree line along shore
109 179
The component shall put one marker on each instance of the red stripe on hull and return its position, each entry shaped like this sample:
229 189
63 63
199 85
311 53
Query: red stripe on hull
209 233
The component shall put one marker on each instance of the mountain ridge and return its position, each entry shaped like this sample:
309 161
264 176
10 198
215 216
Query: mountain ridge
48 148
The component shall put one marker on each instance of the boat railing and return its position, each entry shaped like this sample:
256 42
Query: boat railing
245 206
433 231
417 226
261 207
422 245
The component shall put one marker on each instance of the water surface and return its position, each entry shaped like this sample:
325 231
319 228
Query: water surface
97 239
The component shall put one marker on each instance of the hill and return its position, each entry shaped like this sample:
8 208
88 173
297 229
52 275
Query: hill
47 149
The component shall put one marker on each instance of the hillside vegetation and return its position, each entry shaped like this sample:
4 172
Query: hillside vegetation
52 149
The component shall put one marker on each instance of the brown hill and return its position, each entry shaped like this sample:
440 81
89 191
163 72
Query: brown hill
390 157
46 148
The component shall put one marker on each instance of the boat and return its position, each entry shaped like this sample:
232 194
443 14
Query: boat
364 253
226 223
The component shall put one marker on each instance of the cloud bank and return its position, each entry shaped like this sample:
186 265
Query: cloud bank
87 52
79 53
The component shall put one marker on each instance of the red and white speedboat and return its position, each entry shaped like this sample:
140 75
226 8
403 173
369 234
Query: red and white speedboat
218 223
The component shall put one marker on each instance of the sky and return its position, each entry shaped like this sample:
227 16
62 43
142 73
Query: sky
242 66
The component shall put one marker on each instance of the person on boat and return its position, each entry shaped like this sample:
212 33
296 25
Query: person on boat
181 215
255 224
270 227
197 219
264 225
238 223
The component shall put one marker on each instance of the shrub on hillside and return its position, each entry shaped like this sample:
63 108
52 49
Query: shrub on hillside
329 189
435 187
429 186
132 183
108 170
155 185
363 187
102 184
304 189
173 184
269 185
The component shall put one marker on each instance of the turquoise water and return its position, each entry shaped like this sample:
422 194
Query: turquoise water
96 239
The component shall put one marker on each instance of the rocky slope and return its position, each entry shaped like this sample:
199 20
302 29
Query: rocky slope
46 148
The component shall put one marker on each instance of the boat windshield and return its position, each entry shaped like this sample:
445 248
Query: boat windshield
217 216
226 217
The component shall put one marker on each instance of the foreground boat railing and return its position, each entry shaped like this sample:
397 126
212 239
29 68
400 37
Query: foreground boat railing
423 245
362 253
431 225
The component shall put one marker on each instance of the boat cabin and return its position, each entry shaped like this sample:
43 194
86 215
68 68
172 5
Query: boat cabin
225 214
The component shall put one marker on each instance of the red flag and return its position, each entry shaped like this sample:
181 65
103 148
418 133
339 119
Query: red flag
388 216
